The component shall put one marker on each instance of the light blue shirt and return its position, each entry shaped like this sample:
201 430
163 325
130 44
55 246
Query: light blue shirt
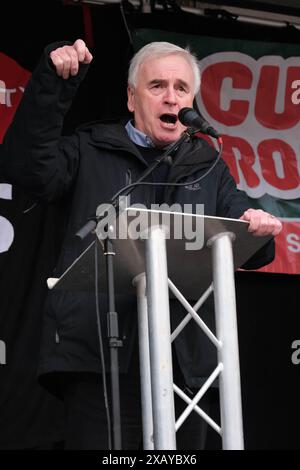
138 137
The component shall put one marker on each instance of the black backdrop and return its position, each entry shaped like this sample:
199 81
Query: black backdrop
267 304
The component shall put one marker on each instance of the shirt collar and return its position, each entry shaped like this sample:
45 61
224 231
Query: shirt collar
138 137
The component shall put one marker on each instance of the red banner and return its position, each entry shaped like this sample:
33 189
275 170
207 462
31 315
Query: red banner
287 258
13 80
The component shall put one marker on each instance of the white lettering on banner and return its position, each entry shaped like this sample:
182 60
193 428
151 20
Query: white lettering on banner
5 94
252 103
5 191
6 228
295 95
2 353
293 241
296 354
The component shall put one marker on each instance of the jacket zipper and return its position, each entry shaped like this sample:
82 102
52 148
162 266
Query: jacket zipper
128 176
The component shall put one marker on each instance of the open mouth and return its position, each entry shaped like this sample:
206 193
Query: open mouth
169 118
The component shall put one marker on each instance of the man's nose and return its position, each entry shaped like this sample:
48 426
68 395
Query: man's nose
170 95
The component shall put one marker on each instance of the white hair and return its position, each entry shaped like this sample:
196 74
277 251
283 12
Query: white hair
158 50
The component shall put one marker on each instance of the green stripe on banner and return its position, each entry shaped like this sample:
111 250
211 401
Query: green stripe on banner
280 207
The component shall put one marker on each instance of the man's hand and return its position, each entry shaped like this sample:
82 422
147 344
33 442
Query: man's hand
66 59
262 223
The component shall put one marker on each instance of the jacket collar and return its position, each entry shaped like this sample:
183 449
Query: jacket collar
189 158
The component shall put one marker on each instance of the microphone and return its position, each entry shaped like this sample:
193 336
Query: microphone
190 118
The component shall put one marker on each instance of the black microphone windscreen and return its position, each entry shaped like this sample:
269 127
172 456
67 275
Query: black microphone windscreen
190 118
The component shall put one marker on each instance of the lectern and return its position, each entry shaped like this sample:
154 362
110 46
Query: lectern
188 256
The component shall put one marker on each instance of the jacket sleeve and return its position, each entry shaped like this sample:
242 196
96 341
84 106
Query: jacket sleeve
232 203
34 155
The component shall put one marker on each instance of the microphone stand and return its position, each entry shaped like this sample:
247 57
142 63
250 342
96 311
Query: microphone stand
112 316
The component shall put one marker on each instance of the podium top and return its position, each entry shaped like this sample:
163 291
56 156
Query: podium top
188 253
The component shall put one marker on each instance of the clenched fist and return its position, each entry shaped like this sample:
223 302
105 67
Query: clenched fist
66 59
